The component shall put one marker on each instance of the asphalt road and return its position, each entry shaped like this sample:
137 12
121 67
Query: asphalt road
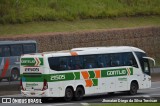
152 92
4 82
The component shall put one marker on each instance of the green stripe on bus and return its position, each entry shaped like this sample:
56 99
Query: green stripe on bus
91 74
51 77
95 82
32 79
131 69
76 75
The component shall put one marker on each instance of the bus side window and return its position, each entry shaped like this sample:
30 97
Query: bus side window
53 63
69 62
116 60
6 51
107 61
1 52
100 61
29 48
90 62
77 62
16 50
129 60
63 63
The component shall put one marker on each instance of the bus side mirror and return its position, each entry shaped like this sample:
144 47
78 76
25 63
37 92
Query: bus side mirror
149 58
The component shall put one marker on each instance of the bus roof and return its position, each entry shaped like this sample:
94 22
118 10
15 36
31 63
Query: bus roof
90 50
109 49
16 42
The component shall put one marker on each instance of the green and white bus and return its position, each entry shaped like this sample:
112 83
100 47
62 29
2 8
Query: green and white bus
85 71
10 52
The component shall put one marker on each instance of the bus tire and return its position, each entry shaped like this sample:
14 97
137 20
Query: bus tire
133 88
68 94
78 95
14 75
111 93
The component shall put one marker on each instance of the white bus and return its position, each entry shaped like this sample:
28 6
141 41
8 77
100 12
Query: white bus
85 71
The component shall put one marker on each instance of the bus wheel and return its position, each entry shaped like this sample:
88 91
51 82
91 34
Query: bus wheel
79 93
133 88
14 75
68 94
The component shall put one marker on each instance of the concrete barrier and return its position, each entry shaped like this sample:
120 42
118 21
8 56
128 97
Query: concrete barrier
146 38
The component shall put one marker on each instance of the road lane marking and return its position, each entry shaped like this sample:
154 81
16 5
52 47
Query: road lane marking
49 105
137 96
155 88
145 96
154 94
18 95
61 104
85 104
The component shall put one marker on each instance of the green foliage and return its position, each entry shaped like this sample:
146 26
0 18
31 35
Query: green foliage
20 11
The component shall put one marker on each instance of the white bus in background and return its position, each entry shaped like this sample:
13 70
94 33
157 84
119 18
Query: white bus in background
10 52
85 71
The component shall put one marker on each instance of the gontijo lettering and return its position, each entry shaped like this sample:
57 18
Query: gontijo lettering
32 61
117 72
28 61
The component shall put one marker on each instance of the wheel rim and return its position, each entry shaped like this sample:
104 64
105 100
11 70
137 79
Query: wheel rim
133 89
69 94
79 93
14 75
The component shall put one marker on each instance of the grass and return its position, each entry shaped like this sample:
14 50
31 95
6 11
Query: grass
78 25
21 11
127 104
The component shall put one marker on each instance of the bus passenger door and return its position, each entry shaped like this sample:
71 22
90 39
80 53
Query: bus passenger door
110 84
121 83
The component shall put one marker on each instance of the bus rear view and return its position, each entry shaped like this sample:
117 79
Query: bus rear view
33 81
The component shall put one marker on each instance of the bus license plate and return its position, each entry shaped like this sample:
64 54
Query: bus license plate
32 93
